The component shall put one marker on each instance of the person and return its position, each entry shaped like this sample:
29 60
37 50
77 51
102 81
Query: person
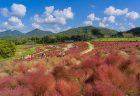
61 54
43 55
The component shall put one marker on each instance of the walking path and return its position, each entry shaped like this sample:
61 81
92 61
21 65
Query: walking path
65 49
68 47
90 48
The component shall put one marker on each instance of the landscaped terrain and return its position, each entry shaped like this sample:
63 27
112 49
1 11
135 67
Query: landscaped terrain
69 48
87 68
83 61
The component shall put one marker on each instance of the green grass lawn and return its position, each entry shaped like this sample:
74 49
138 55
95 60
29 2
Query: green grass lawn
21 51
117 39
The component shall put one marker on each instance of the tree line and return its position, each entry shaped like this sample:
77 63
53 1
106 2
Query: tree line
50 39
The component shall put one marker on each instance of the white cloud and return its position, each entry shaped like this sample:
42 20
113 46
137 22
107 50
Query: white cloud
1 30
52 20
54 29
133 15
102 24
131 25
49 10
122 28
110 19
4 12
113 11
38 19
92 17
52 16
13 23
87 23
67 28
18 9
35 25
66 13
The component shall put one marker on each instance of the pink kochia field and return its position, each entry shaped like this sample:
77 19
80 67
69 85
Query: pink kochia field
75 69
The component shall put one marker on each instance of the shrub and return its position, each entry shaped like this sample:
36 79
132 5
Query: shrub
67 88
107 89
37 83
88 90
19 91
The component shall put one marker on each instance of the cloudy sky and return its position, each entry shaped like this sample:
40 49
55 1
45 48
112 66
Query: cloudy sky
59 15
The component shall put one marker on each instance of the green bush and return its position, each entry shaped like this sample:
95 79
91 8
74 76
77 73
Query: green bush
7 49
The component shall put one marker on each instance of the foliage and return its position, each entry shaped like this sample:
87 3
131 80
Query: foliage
7 49
102 32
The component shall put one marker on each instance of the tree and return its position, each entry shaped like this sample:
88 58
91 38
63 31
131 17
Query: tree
7 49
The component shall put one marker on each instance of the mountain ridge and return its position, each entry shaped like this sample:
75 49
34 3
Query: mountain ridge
11 33
84 30
32 33
38 32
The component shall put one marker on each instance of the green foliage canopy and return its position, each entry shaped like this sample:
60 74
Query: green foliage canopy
7 49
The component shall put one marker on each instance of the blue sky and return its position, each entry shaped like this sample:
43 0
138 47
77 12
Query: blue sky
58 15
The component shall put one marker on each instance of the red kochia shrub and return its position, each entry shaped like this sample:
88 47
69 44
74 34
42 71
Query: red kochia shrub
68 88
88 90
112 75
61 72
22 68
81 74
107 89
115 59
99 75
37 83
7 82
93 62
16 92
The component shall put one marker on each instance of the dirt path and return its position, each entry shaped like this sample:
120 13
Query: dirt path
68 47
90 48
65 49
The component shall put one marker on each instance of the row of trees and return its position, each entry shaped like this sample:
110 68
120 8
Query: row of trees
51 39
63 38
7 49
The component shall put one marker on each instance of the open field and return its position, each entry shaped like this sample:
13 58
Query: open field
73 69
118 39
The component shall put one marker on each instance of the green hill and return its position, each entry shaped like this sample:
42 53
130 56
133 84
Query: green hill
88 30
10 33
78 31
134 31
130 33
103 32
38 32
